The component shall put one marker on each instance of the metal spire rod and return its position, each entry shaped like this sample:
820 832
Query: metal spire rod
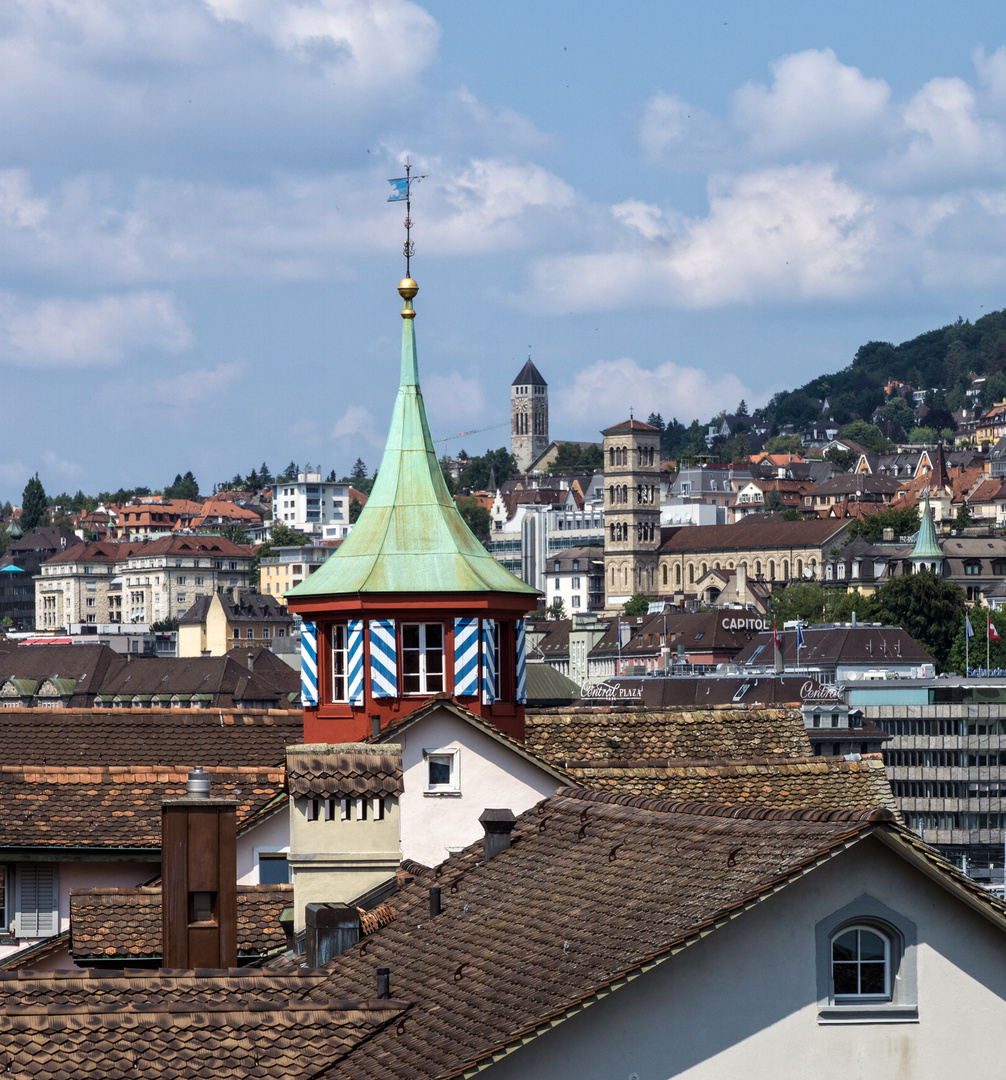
403 191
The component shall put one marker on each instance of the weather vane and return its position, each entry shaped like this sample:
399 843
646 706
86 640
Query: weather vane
403 191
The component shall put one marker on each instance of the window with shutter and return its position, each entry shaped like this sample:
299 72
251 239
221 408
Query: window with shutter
36 900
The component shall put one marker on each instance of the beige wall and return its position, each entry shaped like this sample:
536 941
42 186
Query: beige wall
742 1002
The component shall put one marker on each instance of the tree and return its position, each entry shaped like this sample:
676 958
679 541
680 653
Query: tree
266 478
330 479
784 444
235 534
742 409
923 436
841 459
963 518
164 626
359 469
556 610
868 435
903 522
979 648
448 475
289 473
475 515
656 420
926 606
185 487
34 505
637 604
773 502
354 510
804 600
281 536
897 411
572 457
476 474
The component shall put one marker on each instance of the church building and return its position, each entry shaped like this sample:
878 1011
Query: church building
411 606
528 416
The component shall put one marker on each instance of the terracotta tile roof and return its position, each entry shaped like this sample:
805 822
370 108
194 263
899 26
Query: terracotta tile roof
80 806
582 735
125 924
630 425
189 1040
354 770
593 887
817 782
180 738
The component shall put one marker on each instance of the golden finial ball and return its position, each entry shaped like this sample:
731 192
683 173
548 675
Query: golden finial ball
407 288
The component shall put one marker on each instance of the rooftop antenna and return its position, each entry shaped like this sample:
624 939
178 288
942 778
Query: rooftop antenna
403 193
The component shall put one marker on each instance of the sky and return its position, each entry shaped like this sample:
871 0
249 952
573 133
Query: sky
669 207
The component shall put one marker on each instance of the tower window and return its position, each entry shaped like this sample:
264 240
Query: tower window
422 658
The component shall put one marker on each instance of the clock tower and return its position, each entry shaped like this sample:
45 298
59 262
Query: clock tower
528 416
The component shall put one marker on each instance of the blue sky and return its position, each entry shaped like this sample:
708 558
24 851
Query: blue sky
672 206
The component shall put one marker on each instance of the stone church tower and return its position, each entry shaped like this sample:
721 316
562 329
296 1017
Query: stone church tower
528 416
631 510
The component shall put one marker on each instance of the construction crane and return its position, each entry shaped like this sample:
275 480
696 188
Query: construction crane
474 431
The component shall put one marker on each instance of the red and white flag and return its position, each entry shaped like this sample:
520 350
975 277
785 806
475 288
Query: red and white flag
993 632
775 637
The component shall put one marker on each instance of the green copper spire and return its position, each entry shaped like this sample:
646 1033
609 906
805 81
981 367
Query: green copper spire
927 548
410 537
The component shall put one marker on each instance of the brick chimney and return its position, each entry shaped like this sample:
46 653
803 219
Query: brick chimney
199 870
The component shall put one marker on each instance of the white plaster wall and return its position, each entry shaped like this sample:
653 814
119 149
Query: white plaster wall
743 1001
272 835
492 775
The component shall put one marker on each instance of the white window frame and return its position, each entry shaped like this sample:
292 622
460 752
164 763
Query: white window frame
452 754
338 689
269 853
425 676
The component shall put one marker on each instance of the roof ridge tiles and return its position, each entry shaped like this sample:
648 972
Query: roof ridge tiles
703 809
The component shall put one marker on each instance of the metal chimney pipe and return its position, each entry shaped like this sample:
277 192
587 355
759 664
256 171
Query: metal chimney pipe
197 784
435 908
384 982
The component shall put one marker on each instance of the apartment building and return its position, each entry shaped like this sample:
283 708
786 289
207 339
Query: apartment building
288 567
309 503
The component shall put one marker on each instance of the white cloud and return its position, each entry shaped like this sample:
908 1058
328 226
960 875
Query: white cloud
85 333
604 392
60 466
677 131
199 386
452 401
814 102
356 423
777 235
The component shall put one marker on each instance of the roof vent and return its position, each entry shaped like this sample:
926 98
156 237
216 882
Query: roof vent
197 785
498 825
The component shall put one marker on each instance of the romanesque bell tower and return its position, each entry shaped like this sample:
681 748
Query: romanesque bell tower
631 510
528 416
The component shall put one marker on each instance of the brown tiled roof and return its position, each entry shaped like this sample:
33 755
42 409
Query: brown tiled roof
630 425
294 1039
817 782
226 681
879 645
181 738
82 806
564 735
87 665
593 887
354 770
125 924
746 536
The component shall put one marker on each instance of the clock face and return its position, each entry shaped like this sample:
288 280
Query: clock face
523 405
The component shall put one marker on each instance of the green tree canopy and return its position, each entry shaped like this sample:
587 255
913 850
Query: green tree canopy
185 487
841 459
784 444
476 516
556 610
34 505
637 604
802 600
963 518
355 507
476 474
926 606
359 470
903 522
897 411
572 457
868 435
923 435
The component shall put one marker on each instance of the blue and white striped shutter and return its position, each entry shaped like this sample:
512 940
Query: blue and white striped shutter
488 662
383 658
466 657
354 662
308 664
521 663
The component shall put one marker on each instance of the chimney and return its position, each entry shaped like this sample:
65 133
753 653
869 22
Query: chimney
742 583
435 908
330 930
498 825
384 982
236 595
199 871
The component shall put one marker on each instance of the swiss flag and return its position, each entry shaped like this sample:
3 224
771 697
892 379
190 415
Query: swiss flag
993 632
775 635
